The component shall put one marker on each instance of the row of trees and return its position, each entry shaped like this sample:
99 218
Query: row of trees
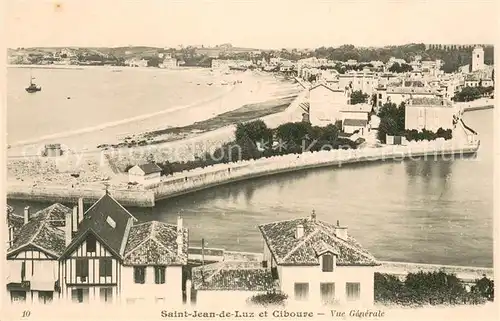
473 93
430 288
428 134
400 68
254 140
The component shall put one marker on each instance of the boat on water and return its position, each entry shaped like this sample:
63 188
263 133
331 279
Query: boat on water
32 88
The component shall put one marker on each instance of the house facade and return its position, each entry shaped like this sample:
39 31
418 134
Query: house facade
112 259
100 255
32 255
318 262
430 114
325 104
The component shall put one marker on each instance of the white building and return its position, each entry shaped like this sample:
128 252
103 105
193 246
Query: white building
477 59
110 258
318 262
365 80
169 63
430 114
145 174
397 95
355 117
325 105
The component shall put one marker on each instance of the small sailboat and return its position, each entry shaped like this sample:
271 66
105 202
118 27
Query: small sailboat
32 88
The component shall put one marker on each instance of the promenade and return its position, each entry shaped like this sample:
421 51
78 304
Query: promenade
201 178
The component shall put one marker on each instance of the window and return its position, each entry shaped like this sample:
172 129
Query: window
80 295
301 291
327 263
139 274
105 267
159 274
45 296
91 243
106 294
82 268
352 291
18 296
327 291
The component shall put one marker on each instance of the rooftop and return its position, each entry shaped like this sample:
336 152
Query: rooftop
235 276
355 122
154 243
40 232
149 168
289 250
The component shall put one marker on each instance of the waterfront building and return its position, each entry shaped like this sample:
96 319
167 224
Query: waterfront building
34 247
169 62
111 258
477 59
145 174
325 104
430 114
319 262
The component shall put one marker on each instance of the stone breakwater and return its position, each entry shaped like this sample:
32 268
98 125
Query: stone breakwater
201 178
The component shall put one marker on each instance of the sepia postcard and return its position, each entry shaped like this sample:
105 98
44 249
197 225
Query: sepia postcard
248 160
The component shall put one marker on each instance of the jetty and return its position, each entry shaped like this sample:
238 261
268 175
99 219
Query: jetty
185 182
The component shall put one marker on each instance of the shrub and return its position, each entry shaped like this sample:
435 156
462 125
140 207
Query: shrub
269 299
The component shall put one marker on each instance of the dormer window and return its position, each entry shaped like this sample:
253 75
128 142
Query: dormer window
327 262
111 222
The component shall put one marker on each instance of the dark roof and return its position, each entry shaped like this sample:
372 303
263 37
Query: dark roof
355 122
318 235
95 221
235 276
42 232
150 168
426 101
155 243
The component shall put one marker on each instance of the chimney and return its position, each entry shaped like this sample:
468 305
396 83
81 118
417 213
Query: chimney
74 219
313 216
80 209
26 214
68 228
180 236
299 231
341 231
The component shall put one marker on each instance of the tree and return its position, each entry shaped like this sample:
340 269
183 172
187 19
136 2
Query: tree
255 130
358 97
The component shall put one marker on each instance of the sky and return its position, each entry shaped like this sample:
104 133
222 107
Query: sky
262 24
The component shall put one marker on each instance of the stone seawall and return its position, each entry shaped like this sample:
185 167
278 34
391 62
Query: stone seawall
211 176
69 196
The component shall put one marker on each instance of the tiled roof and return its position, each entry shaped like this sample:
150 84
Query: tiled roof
365 108
412 90
95 220
327 87
41 233
233 276
355 122
426 101
54 214
288 250
150 168
155 243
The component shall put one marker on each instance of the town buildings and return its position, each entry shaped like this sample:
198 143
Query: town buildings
355 118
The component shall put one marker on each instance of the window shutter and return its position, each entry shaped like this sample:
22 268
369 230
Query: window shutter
23 270
157 274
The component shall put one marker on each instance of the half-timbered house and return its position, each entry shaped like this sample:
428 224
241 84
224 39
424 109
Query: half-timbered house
34 248
110 258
